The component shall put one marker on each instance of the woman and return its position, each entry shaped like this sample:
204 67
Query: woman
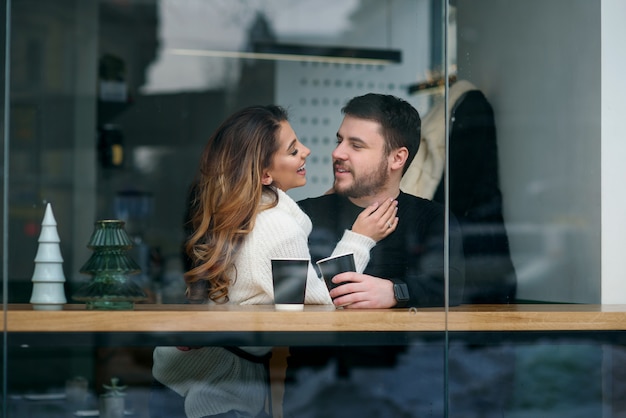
241 219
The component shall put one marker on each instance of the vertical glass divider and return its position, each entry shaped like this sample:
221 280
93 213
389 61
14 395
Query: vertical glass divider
446 248
5 199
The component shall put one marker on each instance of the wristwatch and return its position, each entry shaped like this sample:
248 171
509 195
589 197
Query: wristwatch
400 292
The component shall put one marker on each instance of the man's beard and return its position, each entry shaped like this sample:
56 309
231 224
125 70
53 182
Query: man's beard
368 185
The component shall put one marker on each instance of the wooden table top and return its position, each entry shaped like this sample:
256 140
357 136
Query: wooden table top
166 318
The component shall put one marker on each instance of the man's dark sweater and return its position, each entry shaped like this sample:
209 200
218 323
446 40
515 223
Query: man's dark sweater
413 253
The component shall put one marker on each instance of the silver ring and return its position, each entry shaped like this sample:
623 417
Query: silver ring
389 224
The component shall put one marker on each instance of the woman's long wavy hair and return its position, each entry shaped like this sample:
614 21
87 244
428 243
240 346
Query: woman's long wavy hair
227 197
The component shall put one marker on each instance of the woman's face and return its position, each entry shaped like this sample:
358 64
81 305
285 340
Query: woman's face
288 169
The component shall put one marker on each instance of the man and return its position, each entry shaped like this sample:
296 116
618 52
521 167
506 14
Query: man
377 140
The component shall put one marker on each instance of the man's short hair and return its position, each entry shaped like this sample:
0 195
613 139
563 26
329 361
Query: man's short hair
400 122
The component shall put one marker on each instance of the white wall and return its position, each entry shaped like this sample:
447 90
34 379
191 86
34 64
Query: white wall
539 64
613 151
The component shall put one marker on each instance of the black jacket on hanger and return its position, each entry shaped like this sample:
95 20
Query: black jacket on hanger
476 201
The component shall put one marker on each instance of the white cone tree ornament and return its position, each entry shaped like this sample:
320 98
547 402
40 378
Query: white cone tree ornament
48 278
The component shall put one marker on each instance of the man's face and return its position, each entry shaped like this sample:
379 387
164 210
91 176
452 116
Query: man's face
359 162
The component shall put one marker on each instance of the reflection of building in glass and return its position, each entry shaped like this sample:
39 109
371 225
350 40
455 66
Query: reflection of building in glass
230 26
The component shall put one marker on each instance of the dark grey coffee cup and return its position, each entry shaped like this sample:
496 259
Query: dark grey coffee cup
289 277
332 266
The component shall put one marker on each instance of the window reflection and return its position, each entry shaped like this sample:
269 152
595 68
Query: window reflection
536 63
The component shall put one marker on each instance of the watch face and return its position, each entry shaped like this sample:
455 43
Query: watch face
401 292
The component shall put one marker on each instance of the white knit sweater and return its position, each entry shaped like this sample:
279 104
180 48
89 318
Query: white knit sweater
214 380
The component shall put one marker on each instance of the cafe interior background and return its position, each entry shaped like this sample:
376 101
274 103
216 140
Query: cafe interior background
107 105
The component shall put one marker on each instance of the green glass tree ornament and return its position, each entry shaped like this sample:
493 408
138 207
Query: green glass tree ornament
109 265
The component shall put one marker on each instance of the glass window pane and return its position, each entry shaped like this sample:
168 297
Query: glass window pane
111 103
525 182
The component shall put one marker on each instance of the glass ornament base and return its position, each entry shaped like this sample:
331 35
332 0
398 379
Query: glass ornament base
110 293
110 305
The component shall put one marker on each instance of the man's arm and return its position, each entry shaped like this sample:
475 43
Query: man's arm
424 278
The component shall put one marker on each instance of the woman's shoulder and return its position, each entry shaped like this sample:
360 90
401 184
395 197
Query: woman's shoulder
277 220
287 210
275 214
276 231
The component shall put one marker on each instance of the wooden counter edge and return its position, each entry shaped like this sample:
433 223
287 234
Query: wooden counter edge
193 318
